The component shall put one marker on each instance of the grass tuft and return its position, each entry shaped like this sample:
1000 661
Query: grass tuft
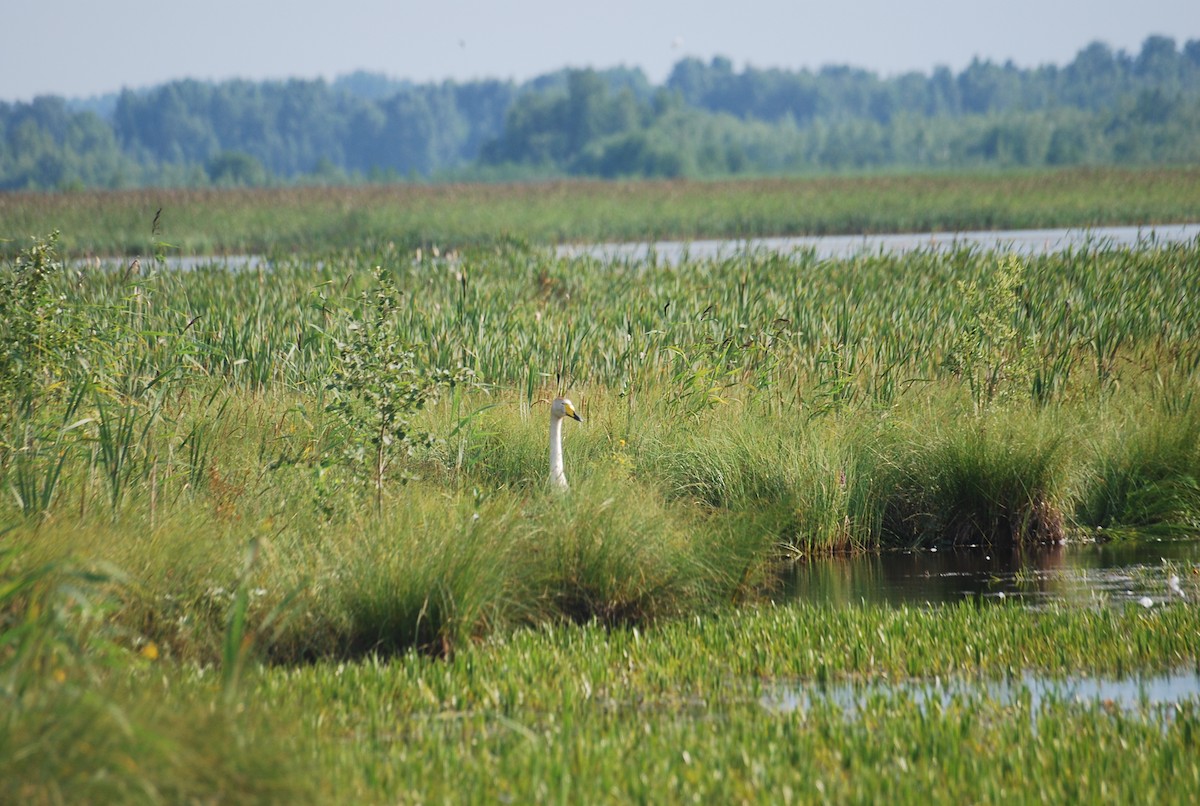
1148 482
973 482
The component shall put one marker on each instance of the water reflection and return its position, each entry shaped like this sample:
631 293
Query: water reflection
1113 572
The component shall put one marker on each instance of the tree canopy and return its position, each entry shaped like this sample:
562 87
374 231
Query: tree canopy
707 119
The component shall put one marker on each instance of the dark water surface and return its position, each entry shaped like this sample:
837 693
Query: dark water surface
1109 573
1121 574
1143 573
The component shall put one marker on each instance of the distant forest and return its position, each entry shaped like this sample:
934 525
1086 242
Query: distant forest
1105 107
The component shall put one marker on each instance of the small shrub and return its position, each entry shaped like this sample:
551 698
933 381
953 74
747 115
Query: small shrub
991 352
376 385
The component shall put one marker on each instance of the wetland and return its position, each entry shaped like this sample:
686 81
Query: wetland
283 533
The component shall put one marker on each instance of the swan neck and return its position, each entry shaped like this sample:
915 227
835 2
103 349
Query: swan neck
557 476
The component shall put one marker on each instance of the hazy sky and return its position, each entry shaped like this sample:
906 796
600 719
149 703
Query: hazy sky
86 47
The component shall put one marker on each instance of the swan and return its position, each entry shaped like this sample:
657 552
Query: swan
560 408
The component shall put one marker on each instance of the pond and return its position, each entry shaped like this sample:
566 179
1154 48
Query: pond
1097 573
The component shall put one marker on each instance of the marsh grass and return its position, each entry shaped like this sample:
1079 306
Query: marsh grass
677 710
970 482
105 745
73 733
1149 480
617 553
425 577
779 476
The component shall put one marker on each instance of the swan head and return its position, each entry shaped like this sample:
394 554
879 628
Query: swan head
561 407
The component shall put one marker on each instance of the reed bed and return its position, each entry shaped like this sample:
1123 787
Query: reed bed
738 412
301 220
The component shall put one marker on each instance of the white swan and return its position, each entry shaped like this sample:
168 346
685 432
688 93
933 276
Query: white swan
560 408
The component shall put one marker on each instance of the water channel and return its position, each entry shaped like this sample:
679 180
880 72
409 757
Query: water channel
1157 695
824 247
821 247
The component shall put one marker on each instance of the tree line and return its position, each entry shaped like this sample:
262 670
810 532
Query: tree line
707 119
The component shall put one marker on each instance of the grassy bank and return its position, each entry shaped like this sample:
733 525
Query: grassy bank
457 216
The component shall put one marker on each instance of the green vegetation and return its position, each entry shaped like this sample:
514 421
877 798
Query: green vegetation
677 712
270 222
758 402
706 120
284 533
